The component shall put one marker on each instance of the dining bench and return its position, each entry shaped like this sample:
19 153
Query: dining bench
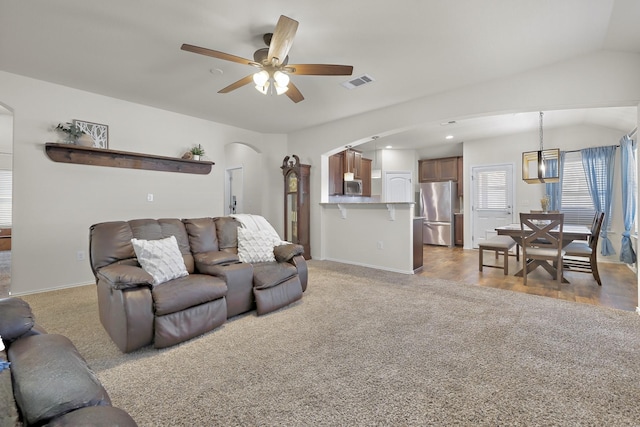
501 246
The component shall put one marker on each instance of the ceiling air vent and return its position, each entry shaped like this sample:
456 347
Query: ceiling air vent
358 81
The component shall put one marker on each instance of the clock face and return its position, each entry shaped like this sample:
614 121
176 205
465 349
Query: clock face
292 183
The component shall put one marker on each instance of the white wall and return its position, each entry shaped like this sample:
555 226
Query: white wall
55 203
595 80
527 196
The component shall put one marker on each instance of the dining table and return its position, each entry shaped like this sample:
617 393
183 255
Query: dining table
570 232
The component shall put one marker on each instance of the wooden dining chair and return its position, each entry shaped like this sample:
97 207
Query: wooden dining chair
582 256
542 242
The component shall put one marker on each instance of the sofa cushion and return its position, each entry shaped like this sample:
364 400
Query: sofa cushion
110 242
180 294
256 246
227 230
160 258
268 274
202 234
51 378
16 318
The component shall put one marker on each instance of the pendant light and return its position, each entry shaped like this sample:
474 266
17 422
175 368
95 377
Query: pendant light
542 166
348 175
376 171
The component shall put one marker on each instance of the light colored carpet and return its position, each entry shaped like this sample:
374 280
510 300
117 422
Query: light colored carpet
366 347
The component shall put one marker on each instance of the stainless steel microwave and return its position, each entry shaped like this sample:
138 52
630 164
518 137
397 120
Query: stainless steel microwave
353 188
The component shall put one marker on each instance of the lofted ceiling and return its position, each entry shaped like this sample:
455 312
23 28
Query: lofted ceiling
130 49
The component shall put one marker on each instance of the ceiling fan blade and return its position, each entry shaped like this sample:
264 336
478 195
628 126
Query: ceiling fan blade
319 70
294 93
282 39
233 86
217 54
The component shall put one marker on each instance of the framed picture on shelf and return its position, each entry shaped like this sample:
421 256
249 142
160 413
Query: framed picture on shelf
99 133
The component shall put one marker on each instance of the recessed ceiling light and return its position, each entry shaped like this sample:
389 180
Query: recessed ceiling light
389 146
216 71
449 137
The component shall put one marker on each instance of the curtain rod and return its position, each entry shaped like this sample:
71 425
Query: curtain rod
575 151
633 132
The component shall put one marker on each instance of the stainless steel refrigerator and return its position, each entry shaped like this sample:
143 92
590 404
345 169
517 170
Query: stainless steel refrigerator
437 204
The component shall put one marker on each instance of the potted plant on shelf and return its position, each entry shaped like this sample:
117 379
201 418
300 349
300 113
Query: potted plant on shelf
74 134
197 151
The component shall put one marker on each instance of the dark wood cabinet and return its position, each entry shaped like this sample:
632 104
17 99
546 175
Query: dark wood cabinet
445 169
349 161
297 203
458 225
336 174
366 177
460 176
353 163
448 169
417 244
428 170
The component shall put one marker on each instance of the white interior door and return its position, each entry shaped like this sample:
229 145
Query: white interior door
234 191
398 187
491 200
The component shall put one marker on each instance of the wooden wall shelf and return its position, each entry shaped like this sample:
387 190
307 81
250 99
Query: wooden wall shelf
68 153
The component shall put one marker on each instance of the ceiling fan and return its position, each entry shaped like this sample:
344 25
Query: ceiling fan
273 76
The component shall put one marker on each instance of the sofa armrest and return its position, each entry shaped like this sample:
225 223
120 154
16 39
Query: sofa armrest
286 252
122 276
16 318
303 271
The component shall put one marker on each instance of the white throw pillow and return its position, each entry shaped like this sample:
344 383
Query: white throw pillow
160 258
256 246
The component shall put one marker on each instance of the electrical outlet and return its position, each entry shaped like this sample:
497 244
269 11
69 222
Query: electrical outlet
80 256
150 197
380 244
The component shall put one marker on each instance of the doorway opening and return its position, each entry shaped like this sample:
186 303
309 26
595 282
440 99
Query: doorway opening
234 190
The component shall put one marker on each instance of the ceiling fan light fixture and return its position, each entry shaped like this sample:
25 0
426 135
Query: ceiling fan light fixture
282 79
261 78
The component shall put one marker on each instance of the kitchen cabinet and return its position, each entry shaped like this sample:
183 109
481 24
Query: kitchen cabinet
366 177
417 244
353 163
297 203
445 169
458 225
460 180
336 174
345 161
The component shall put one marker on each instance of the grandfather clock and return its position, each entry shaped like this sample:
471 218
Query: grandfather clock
296 202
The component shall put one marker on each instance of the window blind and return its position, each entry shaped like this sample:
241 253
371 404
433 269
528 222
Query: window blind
6 186
492 190
577 205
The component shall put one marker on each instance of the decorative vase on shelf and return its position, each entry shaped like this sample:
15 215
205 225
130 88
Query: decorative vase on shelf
196 157
85 140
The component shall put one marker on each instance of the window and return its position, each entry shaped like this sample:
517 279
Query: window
6 185
577 204
492 190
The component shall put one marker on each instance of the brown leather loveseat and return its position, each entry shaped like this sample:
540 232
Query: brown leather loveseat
137 311
46 380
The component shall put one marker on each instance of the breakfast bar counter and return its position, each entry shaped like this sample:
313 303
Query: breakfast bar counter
372 234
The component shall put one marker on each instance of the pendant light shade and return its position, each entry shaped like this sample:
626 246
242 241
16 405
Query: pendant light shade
542 166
